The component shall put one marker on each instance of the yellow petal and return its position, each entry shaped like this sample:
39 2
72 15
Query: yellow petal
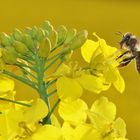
47 132
110 74
106 49
54 121
73 112
120 127
91 83
6 84
67 131
68 88
86 132
37 112
119 83
88 49
104 110
9 123
62 70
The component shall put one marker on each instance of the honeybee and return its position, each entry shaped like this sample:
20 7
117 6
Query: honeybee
131 44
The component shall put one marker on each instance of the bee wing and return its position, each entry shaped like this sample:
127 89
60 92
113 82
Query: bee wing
138 62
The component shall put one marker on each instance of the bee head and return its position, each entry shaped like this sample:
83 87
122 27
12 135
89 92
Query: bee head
128 41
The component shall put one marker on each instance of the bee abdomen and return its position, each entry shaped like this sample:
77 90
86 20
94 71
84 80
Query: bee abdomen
138 62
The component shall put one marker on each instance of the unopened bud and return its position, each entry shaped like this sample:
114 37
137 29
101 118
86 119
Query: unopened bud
34 32
70 35
47 26
78 40
20 47
5 39
41 34
27 39
53 37
67 56
62 33
17 35
2 64
44 48
9 55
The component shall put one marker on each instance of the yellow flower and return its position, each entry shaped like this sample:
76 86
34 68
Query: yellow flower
71 82
73 112
102 116
102 62
22 121
100 126
47 132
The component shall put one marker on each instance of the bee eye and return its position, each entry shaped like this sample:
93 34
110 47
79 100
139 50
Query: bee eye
127 37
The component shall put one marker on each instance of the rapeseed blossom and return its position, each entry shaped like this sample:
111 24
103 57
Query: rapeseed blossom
35 51
102 61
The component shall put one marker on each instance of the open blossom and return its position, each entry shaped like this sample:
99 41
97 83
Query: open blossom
18 121
102 61
97 76
102 123
71 82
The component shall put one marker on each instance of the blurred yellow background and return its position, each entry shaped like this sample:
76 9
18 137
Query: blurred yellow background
103 17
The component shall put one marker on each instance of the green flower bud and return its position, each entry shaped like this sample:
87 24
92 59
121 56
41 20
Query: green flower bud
44 48
17 34
78 40
53 37
41 34
0 51
70 35
20 47
62 33
28 30
47 26
5 39
27 39
9 55
2 64
34 32
67 56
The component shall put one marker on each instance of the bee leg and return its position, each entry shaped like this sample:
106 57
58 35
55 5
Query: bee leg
126 61
124 64
122 54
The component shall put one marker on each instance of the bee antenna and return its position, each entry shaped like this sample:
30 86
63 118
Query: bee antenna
119 33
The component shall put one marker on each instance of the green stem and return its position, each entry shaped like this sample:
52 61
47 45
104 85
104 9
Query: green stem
19 64
56 55
51 82
41 83
48 117
27 72
59 65
27 59
27 82
15 102
51 93
57 58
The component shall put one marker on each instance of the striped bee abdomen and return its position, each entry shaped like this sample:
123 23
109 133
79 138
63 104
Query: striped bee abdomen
138 62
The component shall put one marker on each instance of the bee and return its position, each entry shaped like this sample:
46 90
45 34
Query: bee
131 44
